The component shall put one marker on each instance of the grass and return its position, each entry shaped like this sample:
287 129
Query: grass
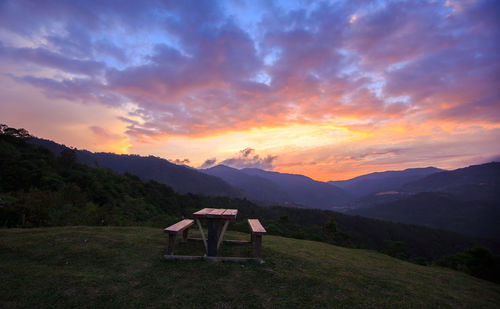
123 267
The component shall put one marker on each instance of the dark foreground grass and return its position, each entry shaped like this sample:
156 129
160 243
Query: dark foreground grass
116 267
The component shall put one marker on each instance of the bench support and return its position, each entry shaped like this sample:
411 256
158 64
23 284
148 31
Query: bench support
257 246
256 232
171 243
181 226
185 235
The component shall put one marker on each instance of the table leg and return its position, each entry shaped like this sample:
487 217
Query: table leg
202 234
212 237
221 235
220 224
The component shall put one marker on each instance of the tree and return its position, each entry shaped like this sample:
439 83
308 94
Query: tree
394 248
19 133
330 229
67 158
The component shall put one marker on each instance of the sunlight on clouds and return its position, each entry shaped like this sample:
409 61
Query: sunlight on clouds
330 89
266 140
292 136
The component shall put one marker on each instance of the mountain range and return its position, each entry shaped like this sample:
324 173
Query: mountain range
287 189
441 210
476 182
382 181
181 178
465 200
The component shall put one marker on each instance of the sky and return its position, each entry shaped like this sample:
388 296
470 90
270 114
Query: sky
327 89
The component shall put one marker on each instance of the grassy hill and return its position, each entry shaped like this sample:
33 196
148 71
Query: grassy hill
123 267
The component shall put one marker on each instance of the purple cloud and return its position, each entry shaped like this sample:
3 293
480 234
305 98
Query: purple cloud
247 158
193 67
208 163
84 90
180 162
50 59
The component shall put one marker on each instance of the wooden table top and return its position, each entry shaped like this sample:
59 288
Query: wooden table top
216 213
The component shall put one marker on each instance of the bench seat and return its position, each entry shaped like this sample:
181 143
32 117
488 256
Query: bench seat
256 230
256 227
181 226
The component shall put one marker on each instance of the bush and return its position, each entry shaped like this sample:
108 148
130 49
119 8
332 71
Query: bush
477 261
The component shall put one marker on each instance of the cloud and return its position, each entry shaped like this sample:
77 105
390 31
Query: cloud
247 158
208 163
104 134
189 69
46 58
211 74
104 139
494 158
180 162
81 89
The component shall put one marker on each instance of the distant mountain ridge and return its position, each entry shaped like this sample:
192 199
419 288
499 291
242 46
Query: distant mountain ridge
181 178
258 187
383 181
465 200
283 188
476 182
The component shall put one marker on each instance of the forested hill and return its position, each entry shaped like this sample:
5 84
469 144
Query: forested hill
38 188
181 178
282 188
383 181
473 183
257 185
466 200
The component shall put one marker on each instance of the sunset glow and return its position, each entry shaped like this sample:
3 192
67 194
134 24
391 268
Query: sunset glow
327 89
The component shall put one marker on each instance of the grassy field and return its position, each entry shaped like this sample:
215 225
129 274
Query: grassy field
117 267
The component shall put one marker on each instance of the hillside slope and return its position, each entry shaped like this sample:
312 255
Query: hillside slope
181 178
258 187
281 188
440 210
465 200
475 182
304 190
383 181
104 267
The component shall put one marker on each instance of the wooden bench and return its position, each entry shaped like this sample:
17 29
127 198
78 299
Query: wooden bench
174 229
256 230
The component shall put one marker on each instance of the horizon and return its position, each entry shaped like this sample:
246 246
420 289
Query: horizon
494 160
330 90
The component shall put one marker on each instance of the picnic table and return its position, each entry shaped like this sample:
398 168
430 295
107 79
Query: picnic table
217 221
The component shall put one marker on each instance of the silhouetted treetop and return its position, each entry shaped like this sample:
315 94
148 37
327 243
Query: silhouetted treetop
19 133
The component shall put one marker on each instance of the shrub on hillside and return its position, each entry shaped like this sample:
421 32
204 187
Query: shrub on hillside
478 262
